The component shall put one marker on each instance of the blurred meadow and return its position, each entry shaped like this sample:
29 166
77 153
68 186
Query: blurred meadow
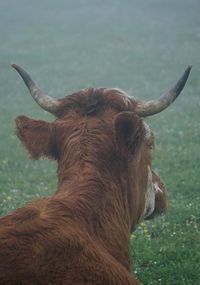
140 46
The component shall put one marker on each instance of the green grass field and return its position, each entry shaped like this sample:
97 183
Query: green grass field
140 46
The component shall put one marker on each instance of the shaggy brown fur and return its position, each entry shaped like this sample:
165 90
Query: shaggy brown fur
80 235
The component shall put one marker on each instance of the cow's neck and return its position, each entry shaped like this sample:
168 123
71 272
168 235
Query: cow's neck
102 204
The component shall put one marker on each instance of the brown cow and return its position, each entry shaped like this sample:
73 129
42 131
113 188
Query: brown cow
106 185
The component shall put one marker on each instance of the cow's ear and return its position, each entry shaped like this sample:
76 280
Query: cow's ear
129 132
37 136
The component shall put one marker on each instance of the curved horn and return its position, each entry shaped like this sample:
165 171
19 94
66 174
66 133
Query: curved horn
148 108
47 103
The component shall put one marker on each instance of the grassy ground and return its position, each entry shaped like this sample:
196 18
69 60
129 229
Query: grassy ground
141 47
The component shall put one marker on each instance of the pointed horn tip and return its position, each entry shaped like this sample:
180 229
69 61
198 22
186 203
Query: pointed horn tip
189 67
187 73
15 66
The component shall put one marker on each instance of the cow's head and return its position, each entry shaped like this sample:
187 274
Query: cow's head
103 129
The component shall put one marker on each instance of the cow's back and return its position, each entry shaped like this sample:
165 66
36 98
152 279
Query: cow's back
41 246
